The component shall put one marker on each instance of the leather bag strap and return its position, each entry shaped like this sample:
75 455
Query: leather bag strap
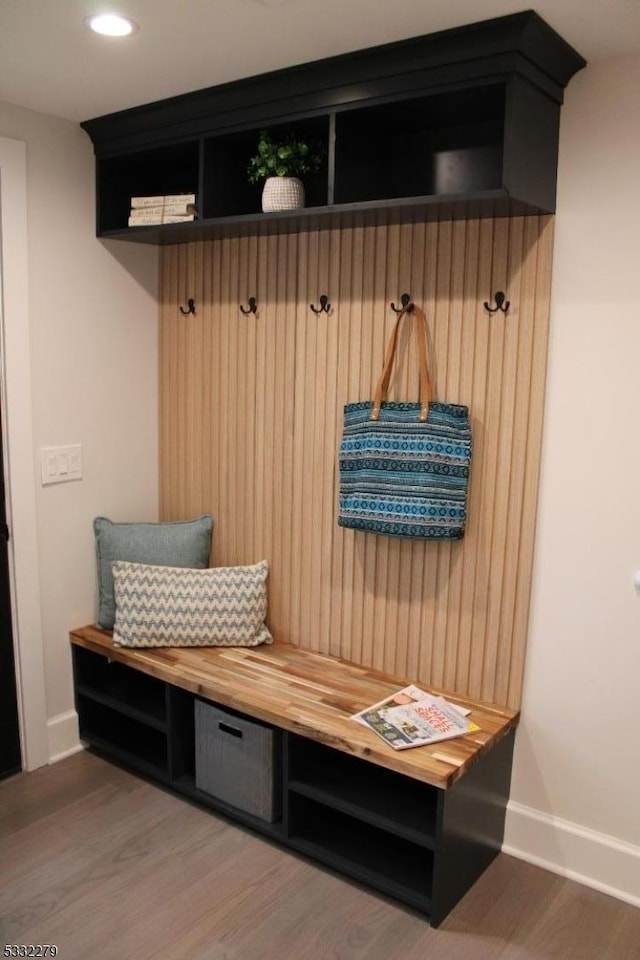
382 388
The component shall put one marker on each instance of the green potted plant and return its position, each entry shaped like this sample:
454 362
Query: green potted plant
281 164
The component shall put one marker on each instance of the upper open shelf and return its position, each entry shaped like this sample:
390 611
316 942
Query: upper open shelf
453 125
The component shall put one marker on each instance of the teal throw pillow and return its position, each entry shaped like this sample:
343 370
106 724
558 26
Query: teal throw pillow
183 543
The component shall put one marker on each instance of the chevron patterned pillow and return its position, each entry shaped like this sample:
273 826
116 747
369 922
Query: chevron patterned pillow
182 607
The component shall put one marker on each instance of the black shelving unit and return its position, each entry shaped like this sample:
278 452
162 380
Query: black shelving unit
420 844
462 123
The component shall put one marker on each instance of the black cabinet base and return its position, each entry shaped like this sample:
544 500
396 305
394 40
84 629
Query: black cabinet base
418 844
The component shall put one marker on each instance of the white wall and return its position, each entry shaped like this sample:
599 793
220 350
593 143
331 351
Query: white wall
93 329
576 789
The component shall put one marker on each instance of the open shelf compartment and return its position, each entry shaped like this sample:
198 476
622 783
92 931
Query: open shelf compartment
120 687
123 737
162 171
226 187
387 800
449 143
391 864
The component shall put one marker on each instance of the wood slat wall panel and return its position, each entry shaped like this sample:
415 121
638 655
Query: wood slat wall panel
251 417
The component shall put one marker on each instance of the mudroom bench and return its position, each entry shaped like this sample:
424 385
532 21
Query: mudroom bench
263 735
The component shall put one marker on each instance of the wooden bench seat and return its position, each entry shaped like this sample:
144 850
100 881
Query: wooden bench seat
311 695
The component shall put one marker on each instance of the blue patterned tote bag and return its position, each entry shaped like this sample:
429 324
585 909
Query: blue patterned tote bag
404 467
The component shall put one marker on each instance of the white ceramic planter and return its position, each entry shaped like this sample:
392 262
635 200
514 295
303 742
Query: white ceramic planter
282 193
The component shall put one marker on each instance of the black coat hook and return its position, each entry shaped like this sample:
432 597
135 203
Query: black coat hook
252 308
191 308
324 307
405 300
501 304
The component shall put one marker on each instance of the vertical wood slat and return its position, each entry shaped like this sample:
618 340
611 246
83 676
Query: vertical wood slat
540 250
251 416
472 351
417 286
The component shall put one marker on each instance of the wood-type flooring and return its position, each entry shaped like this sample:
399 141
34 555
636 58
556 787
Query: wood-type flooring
109 867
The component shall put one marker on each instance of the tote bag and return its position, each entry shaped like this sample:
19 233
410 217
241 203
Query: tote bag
404 467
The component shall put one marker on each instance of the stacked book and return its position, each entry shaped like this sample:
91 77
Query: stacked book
174 208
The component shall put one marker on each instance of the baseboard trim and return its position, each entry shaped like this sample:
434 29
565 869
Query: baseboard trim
594 859
62 731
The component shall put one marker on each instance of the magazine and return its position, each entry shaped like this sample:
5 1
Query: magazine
413 718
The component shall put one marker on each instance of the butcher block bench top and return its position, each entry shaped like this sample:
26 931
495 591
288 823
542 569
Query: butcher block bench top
311 695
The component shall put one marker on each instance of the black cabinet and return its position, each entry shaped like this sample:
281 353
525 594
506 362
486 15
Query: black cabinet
420 844
456 124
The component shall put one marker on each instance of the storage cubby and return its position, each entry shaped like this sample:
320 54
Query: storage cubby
172 169
226 188
381 859
116 685
387 800
129 740
446 144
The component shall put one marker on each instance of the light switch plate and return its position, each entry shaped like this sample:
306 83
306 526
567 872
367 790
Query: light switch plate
60 464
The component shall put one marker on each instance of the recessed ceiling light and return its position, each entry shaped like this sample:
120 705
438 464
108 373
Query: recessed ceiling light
111 25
